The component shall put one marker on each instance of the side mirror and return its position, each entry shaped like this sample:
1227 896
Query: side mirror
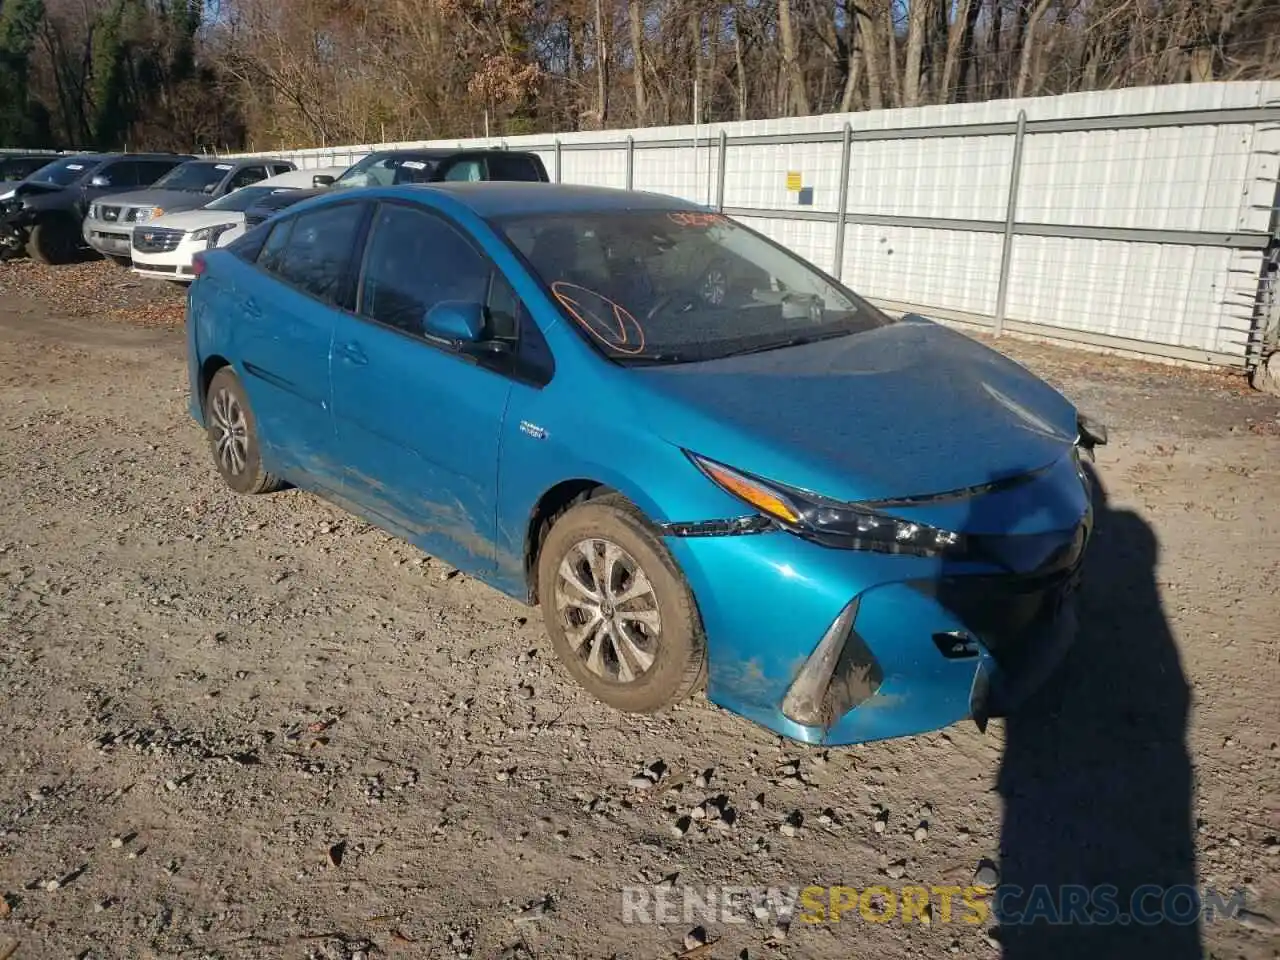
458 322
322 180
99 180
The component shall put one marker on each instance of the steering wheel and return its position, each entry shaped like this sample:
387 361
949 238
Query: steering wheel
710 287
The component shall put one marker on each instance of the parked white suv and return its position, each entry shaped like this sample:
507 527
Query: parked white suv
164 247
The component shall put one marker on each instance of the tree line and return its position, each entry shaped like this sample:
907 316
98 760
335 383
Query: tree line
271 74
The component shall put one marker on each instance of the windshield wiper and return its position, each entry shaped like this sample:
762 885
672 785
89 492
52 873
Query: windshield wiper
799 341
656 359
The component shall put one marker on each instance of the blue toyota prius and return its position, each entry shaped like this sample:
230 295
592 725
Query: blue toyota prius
707 461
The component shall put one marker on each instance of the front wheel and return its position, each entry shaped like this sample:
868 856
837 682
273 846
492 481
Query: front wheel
233 436
620 615
53 241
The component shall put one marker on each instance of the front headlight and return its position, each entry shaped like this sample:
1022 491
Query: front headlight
210 234
830 522
147 214
93 212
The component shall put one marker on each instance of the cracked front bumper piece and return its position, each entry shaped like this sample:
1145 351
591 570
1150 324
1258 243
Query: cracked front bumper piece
842 646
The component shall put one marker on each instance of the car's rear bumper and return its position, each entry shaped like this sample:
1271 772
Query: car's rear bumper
767 599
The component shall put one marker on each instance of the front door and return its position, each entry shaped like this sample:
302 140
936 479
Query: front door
418 425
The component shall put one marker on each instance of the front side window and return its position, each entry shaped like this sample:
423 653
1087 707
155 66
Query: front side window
676 286
414 261
315 257
466 170
197 176
381 170
63 173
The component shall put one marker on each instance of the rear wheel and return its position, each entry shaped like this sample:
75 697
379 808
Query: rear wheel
620 615
233 436
52 241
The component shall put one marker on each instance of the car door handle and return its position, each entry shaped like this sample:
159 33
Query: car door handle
352 352
252 310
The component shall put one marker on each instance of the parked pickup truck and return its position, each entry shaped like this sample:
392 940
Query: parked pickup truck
109 226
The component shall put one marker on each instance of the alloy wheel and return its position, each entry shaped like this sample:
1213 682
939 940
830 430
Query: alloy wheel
231 440
609 609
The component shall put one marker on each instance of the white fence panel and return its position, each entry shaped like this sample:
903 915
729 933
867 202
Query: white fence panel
1155 224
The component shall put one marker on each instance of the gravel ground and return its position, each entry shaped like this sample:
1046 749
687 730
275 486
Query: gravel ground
259 727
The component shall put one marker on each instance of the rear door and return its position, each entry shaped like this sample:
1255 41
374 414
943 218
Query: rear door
417 424
288 308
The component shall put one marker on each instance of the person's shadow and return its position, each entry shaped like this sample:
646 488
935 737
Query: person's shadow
1096 779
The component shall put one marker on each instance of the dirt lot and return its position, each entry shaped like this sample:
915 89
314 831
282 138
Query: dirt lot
258 727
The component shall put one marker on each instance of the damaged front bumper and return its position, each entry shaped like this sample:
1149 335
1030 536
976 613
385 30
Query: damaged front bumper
838 646
13 238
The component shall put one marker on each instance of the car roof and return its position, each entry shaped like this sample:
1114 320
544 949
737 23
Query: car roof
443 153
238 161
500 198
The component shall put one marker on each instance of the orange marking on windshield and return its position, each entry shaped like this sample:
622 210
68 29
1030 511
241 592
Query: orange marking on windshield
691 218
617 338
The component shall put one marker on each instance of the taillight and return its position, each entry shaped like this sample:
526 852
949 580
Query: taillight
197 265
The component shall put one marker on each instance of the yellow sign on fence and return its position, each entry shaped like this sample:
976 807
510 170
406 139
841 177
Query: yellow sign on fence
794 181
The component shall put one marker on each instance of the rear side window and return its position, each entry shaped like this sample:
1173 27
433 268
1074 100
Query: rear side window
514 167
247 176
316 255
273 249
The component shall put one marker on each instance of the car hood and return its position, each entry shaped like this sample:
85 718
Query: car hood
908 409
195 219
166 199
29 188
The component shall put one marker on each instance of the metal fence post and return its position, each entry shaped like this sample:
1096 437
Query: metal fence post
631 161
1010 216
720 171
842 205
557 160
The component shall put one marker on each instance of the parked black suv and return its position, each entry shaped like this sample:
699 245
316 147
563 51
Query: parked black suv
44 212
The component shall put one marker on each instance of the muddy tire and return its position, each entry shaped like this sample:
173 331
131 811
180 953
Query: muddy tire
233 436
620 615
53 241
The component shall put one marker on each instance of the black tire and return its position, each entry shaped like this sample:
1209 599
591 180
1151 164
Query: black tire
52 241
230 420
678 649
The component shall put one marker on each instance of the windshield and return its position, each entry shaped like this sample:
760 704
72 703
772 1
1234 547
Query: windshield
238 201
381 170
63 173
19 168
198 176
680 286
